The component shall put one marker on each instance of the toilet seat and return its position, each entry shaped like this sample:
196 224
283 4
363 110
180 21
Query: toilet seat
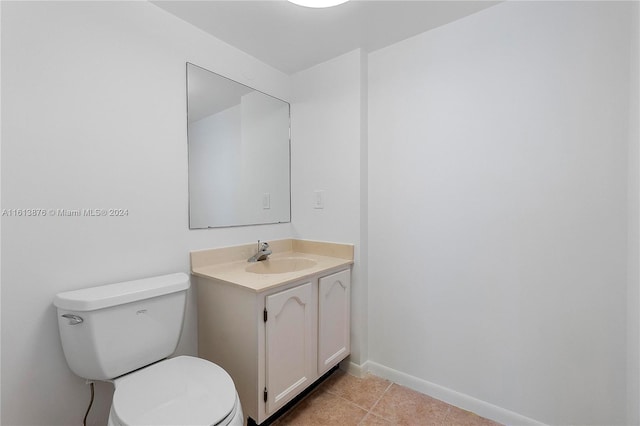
178 391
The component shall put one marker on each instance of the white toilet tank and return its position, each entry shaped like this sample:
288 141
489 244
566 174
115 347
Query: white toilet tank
110 330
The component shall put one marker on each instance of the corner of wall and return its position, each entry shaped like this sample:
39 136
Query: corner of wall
0 206
364 202
633 254
357 370
328 139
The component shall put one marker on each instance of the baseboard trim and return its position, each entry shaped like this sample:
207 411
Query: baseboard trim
466 402
353 368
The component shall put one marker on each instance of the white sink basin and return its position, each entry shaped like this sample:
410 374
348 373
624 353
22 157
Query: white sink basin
280 266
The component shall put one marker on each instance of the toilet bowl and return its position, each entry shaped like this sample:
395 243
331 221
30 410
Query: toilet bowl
179 391
123 333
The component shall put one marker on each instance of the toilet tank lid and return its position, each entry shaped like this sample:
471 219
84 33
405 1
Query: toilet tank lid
93 298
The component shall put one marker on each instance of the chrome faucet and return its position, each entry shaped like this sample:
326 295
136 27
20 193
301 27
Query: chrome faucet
262 254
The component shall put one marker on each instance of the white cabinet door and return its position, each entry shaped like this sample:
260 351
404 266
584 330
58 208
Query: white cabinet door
333 319
290 344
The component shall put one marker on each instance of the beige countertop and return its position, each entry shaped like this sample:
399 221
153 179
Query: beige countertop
230 264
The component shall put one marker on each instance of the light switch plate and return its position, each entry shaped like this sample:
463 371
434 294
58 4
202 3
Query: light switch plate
266 200
318 199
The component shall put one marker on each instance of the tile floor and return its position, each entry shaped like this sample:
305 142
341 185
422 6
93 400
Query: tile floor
345 400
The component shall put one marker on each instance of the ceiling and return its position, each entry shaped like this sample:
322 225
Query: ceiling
292 38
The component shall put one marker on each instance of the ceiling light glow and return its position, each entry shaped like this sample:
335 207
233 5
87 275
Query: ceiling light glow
318 3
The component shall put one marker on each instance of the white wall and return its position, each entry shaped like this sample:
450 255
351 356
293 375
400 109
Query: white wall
326 117
497 211
94 116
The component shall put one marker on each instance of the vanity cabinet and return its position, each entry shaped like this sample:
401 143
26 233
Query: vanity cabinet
290 351
275 343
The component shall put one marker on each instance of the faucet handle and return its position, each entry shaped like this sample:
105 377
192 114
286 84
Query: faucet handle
264 245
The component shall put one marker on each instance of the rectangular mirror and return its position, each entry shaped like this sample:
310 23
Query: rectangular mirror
239 153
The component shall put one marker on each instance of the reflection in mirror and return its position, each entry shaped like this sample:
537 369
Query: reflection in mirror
238 153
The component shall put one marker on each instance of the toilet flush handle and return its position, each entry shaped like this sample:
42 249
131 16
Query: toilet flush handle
73 319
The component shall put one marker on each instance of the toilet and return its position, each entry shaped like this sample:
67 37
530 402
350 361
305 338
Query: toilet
123 333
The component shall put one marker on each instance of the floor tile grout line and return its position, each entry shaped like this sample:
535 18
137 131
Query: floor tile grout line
348 400
353 402
367 411
373 415
376 403
322 388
